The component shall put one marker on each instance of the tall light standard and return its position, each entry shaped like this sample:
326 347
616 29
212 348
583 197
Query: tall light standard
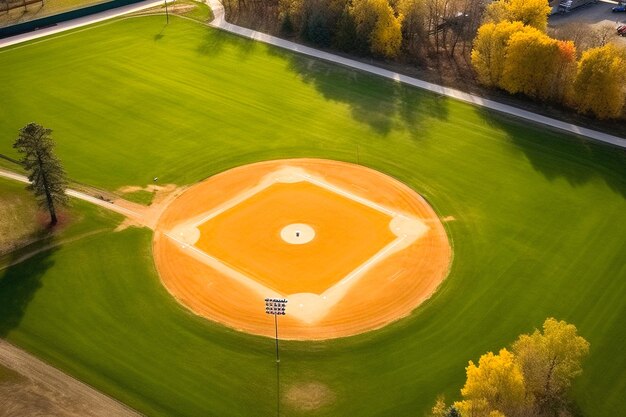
276 306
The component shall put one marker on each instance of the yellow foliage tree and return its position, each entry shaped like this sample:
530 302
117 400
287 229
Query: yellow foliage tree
489 51
565 71
550 360
531 380
377 24
439 409
495 386
530 12
599 84
386 38
531 62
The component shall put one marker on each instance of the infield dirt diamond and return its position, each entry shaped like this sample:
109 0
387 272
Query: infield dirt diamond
295 235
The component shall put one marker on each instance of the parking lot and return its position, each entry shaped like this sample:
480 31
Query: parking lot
596 18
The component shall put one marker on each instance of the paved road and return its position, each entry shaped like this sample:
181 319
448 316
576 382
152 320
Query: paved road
593 13
594 16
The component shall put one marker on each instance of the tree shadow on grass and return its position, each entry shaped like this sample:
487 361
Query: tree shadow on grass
21 278
213 42
382 104
558 155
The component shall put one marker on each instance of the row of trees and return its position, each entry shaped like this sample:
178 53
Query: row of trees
383 28
531 379
512 51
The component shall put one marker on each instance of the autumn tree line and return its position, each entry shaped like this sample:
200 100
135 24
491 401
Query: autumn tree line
504 41
512 51
389 29
531 379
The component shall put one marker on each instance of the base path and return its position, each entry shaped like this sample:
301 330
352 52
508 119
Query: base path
49 391
351 249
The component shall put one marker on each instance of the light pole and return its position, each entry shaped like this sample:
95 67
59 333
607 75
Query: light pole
276 306
167 15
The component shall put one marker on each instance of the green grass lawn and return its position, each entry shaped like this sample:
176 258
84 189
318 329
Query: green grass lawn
19 222
539 229
140 196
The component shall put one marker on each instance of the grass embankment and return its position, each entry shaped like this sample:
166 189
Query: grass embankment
540 220
19 222
41 9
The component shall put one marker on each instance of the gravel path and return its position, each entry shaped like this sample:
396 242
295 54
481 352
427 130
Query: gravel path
45 391
82 196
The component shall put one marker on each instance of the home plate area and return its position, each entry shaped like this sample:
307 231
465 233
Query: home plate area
350 248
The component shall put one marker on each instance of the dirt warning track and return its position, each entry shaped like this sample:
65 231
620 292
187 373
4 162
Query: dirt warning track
351 249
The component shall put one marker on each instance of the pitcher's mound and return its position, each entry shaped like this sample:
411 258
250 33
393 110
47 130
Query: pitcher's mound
350 248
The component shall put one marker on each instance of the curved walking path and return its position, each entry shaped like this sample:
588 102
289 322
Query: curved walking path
82 196
219 21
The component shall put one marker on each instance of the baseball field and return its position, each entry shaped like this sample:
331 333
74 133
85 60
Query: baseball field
535 221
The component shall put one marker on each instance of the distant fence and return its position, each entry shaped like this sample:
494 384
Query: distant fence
62 17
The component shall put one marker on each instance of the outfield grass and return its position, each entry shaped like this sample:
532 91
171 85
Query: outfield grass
540 220
140 196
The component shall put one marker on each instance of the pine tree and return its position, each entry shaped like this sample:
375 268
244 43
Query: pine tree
45 173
